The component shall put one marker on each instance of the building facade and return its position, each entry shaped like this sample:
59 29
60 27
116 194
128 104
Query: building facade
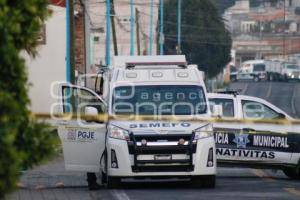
264 29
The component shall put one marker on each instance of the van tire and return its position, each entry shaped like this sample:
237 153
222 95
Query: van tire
113 182
204 181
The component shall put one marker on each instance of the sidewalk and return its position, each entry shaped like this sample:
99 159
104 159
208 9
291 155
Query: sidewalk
51 181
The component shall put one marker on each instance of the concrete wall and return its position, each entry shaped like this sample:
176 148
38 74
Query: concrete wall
49 65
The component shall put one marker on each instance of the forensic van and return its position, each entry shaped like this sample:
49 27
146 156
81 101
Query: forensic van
135 141
274 143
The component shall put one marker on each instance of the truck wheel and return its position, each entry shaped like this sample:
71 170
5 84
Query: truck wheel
113 182
256 78
204 181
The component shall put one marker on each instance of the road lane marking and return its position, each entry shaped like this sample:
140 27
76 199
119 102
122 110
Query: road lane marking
245 88
119 195
269 91
39 187
260 173
293 102
292 191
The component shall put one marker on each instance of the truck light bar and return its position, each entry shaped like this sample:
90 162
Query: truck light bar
135 64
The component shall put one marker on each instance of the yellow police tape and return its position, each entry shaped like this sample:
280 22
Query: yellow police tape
105 117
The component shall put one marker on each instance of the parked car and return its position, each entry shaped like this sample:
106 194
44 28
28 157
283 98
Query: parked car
259 145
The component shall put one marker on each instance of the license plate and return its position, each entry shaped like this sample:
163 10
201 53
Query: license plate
162 157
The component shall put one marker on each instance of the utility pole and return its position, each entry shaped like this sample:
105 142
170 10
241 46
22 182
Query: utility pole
70 68
284 19
113 27
131 28
161 32
86 33
178 26
137 18
151 29
107 45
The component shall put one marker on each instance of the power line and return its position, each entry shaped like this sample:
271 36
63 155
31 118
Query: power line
196 41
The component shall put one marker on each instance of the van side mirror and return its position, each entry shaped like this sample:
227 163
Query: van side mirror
281 116
217 111
89 110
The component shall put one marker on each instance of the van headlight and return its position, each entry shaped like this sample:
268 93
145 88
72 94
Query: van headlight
204 132
118 133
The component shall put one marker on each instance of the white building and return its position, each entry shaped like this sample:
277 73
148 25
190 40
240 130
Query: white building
49 65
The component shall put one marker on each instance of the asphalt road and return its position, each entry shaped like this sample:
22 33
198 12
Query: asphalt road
284 95
52 182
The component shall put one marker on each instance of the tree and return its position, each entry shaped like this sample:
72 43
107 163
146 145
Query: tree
222 5
205 40
23 141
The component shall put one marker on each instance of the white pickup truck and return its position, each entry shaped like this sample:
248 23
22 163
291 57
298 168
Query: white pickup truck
128 147
290 71
260 145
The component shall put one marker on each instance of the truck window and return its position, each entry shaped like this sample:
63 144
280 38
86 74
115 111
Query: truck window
292 67
227 105
76 99
256 110
159 100
259 67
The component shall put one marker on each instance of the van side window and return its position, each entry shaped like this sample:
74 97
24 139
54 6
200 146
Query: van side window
256 110
227 105
76 99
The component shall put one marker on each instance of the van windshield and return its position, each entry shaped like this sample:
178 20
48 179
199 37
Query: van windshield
159 100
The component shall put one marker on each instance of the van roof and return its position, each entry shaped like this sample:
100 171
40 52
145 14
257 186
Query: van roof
187 75
254 62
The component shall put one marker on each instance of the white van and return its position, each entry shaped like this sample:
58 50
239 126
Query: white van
128 147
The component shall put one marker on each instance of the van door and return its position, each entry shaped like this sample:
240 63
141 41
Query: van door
83 141
225 132
271 143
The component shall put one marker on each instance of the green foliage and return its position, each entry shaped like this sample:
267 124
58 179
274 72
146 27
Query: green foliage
205 40
254 3
23 142
222 5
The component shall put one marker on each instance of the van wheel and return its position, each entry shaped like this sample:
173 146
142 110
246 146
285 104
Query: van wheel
204 181
113 182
